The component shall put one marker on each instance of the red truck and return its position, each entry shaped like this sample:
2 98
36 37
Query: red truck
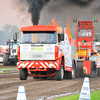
44 51
88 57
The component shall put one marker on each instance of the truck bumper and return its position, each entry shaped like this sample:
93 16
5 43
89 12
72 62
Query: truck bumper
38 65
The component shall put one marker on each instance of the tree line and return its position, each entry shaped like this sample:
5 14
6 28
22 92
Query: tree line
7 32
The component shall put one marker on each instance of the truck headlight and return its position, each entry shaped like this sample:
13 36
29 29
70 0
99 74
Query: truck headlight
51 64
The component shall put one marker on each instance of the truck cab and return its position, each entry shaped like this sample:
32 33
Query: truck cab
85 38
39 45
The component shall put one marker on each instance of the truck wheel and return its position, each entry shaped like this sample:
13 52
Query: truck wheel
99 71
15 63
59 74
93 69
70 75
6 61
79 70
23 74
65 75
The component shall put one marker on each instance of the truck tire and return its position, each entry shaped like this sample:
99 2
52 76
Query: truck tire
59 74
14 63
6 61
23 74
93 69
99 71
70 75
79 70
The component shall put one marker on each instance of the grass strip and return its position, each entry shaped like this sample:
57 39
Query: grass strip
95 95
8 72
7 68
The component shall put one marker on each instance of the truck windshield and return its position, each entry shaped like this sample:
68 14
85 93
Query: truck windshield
84 32
15 45
39 38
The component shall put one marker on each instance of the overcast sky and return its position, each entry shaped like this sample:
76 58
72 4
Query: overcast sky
16 13
9 15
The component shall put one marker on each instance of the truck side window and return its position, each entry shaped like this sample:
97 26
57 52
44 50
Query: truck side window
58 37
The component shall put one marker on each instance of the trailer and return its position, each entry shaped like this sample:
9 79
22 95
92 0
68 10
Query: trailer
46 51
88 63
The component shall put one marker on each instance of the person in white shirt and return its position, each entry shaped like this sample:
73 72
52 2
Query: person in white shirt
87 33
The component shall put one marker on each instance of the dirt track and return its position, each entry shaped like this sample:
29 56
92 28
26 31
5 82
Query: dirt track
36 88
40 88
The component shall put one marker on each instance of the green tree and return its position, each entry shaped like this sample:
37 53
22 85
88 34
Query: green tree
14 29
1 37
7 28
7 33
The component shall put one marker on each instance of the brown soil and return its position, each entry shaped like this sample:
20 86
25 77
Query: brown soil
40 88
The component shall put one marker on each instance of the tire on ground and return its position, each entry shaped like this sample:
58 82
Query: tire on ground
79 70
99 71
93 69
59 74
6 61
13 63
23 74
70 75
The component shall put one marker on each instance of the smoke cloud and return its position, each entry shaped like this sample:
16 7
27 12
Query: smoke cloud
61 9
35 7
42 11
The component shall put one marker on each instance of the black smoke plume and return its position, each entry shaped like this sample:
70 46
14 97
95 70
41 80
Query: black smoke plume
35 7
